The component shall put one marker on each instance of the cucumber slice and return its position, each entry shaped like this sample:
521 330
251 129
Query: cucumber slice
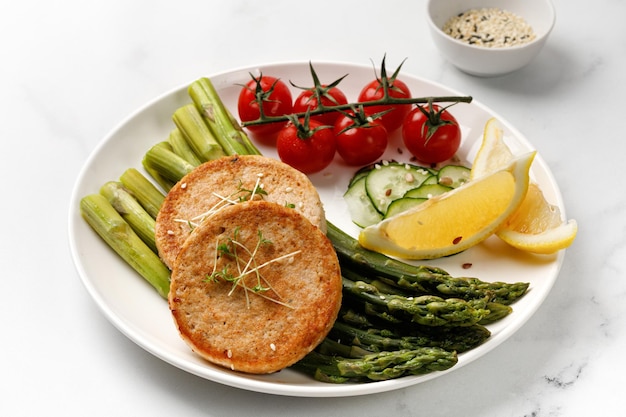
359 174
427 191
391 181
362 211
453 175
402 204
431 180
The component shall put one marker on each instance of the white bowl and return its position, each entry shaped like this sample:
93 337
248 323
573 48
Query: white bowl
484 61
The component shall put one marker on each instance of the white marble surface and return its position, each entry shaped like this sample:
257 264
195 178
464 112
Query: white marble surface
73 70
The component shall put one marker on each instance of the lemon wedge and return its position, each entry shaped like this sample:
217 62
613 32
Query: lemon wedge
536 226
453 221
493 154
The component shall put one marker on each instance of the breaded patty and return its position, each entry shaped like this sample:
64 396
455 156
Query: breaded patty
235 178
236 327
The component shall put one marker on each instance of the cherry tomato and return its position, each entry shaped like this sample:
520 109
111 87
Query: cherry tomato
276 98
431 134
309 99
306 145
374 91
359 143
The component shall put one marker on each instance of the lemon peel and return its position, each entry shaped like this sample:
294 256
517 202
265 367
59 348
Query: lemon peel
546 242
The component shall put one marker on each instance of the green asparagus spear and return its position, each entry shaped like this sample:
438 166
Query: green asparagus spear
230 136
165 183
195 130
376 366
428 310
131 211
112 228
143 190
167 163
421 279
459 339
497 311
382 313
181 147
250 146
332 347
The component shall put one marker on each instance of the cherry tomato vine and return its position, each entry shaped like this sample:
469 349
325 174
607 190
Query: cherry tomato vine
386 85
321 121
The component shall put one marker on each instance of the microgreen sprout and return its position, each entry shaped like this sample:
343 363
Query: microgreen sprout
245 263
239 196
247 195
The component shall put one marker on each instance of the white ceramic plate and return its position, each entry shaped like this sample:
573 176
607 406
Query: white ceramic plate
143 316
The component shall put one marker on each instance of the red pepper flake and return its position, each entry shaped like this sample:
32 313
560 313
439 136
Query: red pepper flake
467 265
457 240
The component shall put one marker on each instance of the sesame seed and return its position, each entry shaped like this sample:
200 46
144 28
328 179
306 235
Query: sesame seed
489 27
229 353
170 232
183 185
273 347
288 189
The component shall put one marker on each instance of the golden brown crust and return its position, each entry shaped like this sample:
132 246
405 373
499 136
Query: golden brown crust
254 334
199 191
